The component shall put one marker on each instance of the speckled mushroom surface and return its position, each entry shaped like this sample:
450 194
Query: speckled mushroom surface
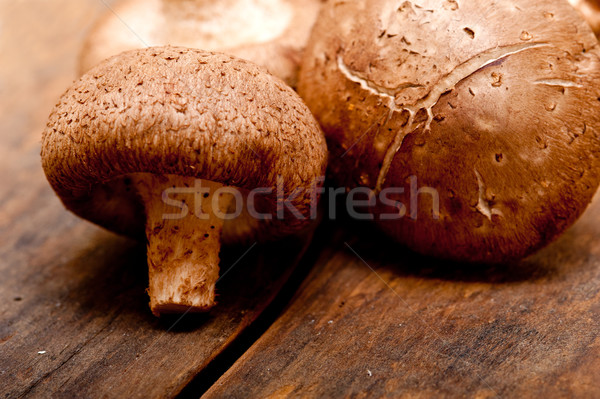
492 104
271 33
155 119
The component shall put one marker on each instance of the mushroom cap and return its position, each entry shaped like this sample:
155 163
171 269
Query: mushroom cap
494 106
185 112
590 9
270 33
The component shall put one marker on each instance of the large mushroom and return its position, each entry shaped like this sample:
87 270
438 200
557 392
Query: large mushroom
271 33
486 114
144 144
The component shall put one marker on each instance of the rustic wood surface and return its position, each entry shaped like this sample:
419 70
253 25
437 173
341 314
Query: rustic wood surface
373 320
370 320
74 316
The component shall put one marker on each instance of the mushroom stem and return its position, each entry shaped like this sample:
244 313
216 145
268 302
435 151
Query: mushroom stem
184 219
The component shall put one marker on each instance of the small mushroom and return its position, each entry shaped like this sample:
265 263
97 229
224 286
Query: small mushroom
590 9
487 117
271 33
156 143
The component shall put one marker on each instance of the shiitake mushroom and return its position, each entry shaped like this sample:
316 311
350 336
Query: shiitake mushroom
485 113
144 143
271 33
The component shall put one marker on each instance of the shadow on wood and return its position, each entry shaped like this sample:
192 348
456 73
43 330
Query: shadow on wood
90 317
365 324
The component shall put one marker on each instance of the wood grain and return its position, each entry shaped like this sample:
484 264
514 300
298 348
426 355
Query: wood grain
373 320
89 312
74 316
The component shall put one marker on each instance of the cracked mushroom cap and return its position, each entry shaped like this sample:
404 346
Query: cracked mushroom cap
492 109
183 112
271 33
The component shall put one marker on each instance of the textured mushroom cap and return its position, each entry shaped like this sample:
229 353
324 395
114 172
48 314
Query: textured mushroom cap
492 104
271 33
180 112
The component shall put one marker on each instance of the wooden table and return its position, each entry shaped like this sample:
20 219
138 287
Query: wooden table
338 312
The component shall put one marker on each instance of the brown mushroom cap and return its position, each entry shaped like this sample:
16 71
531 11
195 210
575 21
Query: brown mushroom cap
494 105
271 33
590 9
147 119
181 112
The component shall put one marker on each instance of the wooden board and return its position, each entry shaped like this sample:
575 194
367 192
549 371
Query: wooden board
77 323
370 320
373 320
74 316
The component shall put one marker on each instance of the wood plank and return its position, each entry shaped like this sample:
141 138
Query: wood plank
74 318
85 307
373 320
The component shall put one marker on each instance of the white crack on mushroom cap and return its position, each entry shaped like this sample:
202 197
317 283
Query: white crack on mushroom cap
142 143
493 105
271 33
